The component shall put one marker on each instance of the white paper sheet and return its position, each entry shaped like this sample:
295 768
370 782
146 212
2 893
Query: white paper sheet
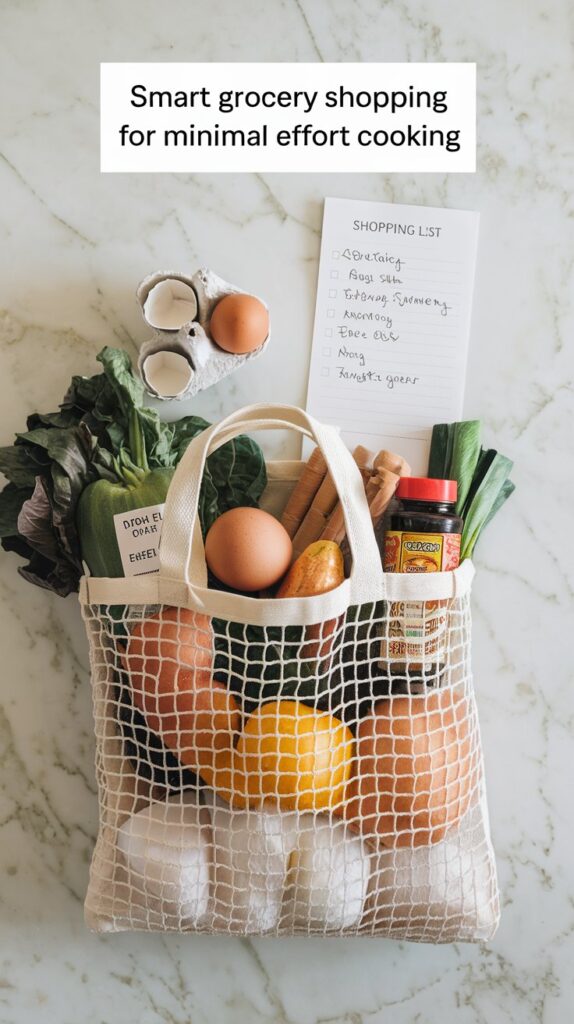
392 323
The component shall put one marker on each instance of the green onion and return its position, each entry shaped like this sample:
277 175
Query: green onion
464 459
481 475
485 460
485 503
504 493
439 457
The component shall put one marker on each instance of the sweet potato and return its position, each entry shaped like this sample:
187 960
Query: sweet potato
416 770
169 661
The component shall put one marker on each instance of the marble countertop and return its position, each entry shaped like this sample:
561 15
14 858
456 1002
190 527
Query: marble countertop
74 245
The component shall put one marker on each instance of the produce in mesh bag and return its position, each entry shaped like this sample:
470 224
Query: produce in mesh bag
191 861
293 759
168 659
153 761
287 756
167 850
416 771
297 871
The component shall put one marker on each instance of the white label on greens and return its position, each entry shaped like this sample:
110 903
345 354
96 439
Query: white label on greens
138 533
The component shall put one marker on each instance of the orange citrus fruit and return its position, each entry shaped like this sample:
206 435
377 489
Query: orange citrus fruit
221 771
288 755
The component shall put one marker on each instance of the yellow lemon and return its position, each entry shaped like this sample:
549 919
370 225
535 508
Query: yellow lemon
291 756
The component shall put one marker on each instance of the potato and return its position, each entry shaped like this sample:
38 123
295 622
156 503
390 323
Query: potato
169 659
417 769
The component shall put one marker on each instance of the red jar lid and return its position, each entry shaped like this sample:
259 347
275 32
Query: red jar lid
423 488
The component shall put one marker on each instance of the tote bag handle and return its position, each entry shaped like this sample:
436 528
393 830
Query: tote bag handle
182 554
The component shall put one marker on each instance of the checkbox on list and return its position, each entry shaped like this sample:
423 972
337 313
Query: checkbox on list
332 293
334 274
330 313
326 351
325 371
335 254
328 332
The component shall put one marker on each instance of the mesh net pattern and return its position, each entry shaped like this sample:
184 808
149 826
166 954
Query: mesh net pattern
319 779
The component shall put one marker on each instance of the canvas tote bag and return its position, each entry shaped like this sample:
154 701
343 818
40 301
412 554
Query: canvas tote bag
377 673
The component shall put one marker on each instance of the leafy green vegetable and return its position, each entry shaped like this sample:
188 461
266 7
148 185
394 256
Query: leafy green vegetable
504 493
129 394
481 475
261 664
234 475
464 457
440 450
18 466
12 500
88 439
482 507
485 460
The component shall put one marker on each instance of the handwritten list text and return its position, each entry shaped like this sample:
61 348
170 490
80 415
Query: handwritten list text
392 323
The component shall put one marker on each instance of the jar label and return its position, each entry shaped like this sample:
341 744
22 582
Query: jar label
416 636
421 552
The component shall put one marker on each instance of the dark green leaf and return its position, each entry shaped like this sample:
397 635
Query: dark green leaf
485 460
234 475
18 545
440 451
130 394
70 448
185 430
60 577
11 500
17 466
83 395
64 499
63 418
128 389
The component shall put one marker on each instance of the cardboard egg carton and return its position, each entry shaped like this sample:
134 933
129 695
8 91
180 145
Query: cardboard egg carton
207 363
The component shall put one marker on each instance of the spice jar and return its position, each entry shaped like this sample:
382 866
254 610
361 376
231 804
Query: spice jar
425 531
424 536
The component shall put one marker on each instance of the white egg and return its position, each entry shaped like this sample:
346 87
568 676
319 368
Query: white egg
167 849
251 851
276 870
328 876
446 888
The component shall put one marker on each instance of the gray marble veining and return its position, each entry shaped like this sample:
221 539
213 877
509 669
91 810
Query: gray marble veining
74 244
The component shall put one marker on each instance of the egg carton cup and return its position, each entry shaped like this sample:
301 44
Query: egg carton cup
208 362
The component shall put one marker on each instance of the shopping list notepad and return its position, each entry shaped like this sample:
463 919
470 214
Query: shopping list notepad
392 323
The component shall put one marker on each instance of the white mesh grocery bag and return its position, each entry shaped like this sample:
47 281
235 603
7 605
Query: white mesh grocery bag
287 766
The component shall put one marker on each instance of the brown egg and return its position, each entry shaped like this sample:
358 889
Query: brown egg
239 323
247 549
